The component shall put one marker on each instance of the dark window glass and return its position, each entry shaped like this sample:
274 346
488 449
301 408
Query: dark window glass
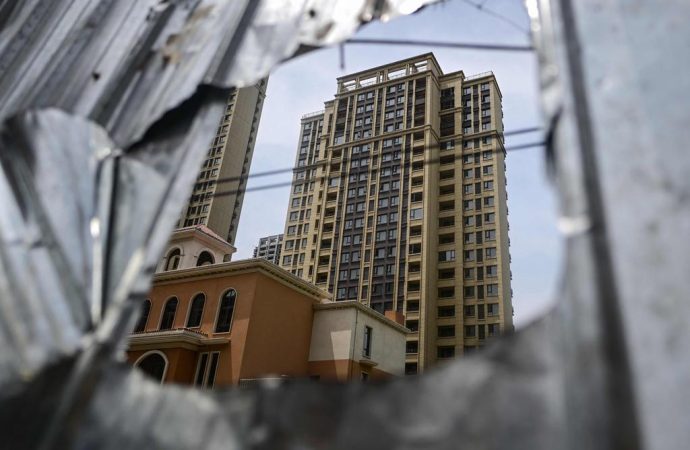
227 306
204 259
212 370
367 342
196 311
145 310
169 314
153 365
201 372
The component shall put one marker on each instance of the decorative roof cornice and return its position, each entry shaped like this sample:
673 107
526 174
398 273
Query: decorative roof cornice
364 309
258 265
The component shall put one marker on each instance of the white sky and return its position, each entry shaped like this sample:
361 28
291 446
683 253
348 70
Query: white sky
303 84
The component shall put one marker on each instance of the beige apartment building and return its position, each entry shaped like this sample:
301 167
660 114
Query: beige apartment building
399 202
227 165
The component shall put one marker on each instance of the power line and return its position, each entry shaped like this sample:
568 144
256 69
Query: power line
316 165
323 177
444 44
480 7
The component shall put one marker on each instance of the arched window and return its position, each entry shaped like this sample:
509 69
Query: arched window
169 311
153 364
144 317
205 258
196 311
227 307
173 260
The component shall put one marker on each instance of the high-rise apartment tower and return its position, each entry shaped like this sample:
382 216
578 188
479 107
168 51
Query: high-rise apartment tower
399 200
269 248
227 165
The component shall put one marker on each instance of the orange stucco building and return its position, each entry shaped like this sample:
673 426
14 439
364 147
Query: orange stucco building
228 323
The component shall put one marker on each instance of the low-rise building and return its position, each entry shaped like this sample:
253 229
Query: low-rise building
229 323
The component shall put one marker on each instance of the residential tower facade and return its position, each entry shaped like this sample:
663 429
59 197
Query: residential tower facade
216 201
399 201
269 248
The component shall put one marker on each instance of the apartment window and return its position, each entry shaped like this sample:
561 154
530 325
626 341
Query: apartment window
469 291
380 253
333 182
206 369
416 213
488 186
490 217
446 292
492 309
382 219
443 352
492 290
393 217
144 317
469 238
448 238
354 274
378 271
489 201
225 313
196 311
294 216
357 239
168 316
446 311
356 256
342 275
490 235
291 229
383 202
341 293
366 349
448 98
446 331
415 249
470 331
413 306
345 257
468 189
490 252
488 170
488 154
491 271
448 255
359 223
412 347
469 311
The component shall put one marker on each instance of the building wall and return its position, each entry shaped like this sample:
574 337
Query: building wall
279 332
338 340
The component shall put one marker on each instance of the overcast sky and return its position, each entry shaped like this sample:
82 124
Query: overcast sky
303 84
